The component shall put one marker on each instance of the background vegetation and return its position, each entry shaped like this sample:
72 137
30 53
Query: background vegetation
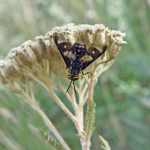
122 94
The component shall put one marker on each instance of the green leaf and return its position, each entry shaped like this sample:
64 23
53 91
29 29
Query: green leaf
104 143
52 142
90 119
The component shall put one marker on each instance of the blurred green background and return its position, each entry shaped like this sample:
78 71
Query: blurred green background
122 93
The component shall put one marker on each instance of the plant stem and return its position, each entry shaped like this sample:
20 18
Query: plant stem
47 120
52 128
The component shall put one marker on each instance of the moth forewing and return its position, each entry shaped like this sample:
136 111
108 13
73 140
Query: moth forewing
77 57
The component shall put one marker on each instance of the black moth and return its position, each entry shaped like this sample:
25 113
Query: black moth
77 57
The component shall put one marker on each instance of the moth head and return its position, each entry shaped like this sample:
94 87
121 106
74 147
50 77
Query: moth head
79 45
74 78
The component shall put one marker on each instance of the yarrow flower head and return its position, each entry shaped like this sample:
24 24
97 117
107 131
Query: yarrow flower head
43 62
29 58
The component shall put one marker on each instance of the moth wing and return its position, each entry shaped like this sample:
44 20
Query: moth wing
65 50
91 55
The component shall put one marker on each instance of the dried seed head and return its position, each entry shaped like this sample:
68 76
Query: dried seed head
28 52
115 48
8 73
98 35
34 59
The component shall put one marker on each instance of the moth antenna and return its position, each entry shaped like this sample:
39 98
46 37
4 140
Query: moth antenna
69 86
74 88
90 46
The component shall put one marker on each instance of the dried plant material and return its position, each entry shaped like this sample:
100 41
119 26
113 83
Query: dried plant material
41 62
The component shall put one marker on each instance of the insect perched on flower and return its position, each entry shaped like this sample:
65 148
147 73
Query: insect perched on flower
77 57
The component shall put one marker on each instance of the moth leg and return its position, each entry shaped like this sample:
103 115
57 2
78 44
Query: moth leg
86 73
69 86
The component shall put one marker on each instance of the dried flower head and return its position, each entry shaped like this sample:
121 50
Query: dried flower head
41 61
